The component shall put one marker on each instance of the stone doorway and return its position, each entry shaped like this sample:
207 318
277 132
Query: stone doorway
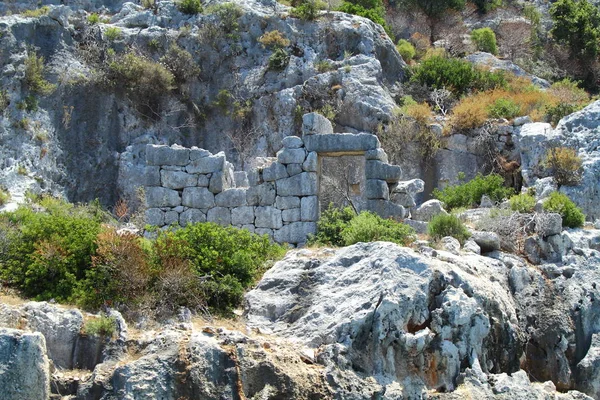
342 181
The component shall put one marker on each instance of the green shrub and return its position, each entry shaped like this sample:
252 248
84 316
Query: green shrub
308 10
93 19
469 194
447 225
4 196
279 59
34 75
572 216
406 50
4 101
228 14
372 10
101 326
146 79
190 7
485 40
323 66
274 40
565 164
36 13
49 252
504 108
181 64
456 75
331 224
523 203
29 103
370 227
485 6
557 112
112 33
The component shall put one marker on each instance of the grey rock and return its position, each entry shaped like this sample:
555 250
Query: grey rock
309 207
25 372
428 210
151 176
487 241
268 217
162 197
341 143
203 180
450 244
264 231
376 154
207 165
548 224
295 232
380 170
242 215
487 60
291 156
191 216
304 184
177 179
486 202
231 198
412 186
294 169
419 226
377 189
261 195
249 228
386 209
311 163
522 120
472 247
241 179
221 180
165 155
219 215
274 172
198 197
589 369
292 142
155 216
284 203
403 199
291 215
314 123
171 217
196 153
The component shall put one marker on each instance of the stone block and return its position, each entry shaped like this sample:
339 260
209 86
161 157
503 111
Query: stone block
249 227
412 186
290 215
312 162
294 169
296 232
241 179
151 176
403 199
261 195
165 155
428 210
207 165
191 216
219 215
418 226
274 172
268 217
386 209
341 143
377 189
304 184
254 177
177 179
291 156
242 215
379 170
231 198
203 180
196 153
161 197
287 202
376 154
198 197
548 224
309 207
221 180
292 142
155 216
313 123
264 231
171 217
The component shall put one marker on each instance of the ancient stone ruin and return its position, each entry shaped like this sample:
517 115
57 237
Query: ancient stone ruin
281 197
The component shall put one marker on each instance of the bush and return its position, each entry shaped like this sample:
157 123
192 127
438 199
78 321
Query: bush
504 108
36 13
4 101
181 64
146 79
323 66
279 59
447 225
101 326
557 112
112 33
406 50
469 194
308 10
565 164
469 113
228 14
420 112
274 40
4 196
370 227
93 19
523 203
190 7
49 252
456 75
372 10
34 75
331 224
572 216
485 40
485 6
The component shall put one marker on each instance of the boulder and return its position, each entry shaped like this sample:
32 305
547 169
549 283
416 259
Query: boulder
291 156
377 189
487 241
314 123
274 172
311 163
231 198
379 170
292 142
426 211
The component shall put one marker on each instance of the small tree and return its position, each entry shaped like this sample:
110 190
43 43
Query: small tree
566 165
485 39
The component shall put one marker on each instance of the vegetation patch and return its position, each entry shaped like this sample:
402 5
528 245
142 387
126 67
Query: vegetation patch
572 216
469 194
523 203
34 75
101 326
565 164
447 225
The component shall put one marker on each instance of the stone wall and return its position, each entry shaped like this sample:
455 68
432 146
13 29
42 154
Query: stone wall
280 197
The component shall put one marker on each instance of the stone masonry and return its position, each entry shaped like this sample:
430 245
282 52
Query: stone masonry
280 198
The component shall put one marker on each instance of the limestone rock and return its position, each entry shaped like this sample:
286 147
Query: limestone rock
219 215
242 216
379 170
268 217
309 208
295 232
292 142
274 172
428 210
261 195
162 197
165 155
207 165
377 189
177 179
291 156
198 197
284 203
341 143
191 216
304 184
487 241
315 123
311 163
231 198
489 61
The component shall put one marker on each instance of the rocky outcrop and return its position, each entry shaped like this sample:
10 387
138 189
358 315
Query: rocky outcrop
24 366
488 60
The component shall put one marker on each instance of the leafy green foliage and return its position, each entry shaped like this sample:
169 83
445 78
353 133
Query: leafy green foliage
447 225
190 7
36 13
279 59
566 165
406 50
146 79
308 10
34 75
4 196
370 9
523 203
112 33
572 216
485 40
370 227
93 19
577 24
557 112
181 64
331 224
504 108
4 101
101 326
469 194
485 6
433 8
229 15
456 75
